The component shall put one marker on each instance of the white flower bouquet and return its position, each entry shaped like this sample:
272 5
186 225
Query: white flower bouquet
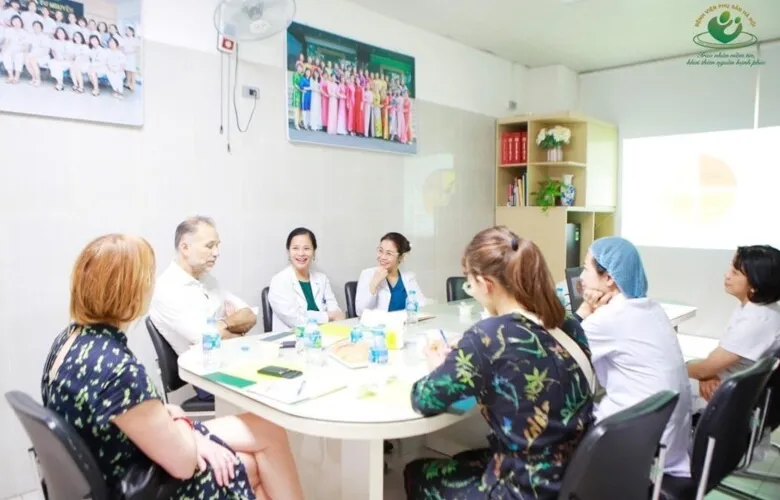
551 138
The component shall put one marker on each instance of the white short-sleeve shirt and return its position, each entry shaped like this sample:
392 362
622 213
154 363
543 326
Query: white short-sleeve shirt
635 354
181 305
752 333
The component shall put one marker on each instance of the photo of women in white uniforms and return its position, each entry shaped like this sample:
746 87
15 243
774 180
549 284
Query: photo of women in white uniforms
88 46
82 61
15 44
115 68
38 55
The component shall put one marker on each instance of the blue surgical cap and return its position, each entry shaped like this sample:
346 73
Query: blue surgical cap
622 261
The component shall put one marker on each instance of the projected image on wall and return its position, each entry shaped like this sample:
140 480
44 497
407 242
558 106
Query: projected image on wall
700 190
429 182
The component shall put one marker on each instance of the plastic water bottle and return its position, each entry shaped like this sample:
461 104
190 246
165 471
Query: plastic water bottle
315 354
300 340
378 356
412 308
211 342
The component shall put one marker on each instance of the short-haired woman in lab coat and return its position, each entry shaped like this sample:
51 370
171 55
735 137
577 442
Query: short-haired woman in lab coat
753 331
384 287
633 344
299 292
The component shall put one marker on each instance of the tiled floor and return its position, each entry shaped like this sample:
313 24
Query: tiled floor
765 490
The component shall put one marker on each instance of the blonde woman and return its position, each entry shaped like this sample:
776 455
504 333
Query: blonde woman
113 404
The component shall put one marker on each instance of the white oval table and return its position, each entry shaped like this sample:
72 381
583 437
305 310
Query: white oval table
338 438
360 425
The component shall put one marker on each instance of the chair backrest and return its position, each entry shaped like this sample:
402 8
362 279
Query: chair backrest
772 419
727 419
455 288
268 313
572 283
167 359
614 458
68 467
350 292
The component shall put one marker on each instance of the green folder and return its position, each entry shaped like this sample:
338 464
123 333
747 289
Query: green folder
230 380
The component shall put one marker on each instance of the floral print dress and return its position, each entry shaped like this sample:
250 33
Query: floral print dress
534 397
100 379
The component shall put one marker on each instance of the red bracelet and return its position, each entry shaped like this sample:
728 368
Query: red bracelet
185 419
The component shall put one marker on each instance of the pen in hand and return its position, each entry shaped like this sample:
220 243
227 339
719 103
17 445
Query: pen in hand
444 338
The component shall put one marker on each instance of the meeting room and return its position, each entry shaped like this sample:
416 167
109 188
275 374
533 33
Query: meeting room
363 250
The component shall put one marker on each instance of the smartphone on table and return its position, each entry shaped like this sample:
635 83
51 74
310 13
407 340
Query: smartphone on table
279 372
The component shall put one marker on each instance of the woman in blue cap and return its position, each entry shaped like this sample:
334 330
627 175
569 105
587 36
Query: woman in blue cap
634 348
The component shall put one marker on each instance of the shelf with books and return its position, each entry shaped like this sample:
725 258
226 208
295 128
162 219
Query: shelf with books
588 161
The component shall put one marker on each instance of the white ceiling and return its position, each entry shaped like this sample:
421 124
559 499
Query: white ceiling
584 35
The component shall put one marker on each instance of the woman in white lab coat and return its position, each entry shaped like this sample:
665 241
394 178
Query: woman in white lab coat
82 61
633 344
60 57
753 331
384 287
15 47
116 62
99 64
298 292
40 44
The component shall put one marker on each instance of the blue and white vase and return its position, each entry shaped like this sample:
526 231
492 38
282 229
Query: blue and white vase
568 192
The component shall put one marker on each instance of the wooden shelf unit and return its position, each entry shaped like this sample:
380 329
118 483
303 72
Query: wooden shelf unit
591 157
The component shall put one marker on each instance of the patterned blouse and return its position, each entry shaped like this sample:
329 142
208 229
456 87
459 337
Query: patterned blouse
100 379
532 394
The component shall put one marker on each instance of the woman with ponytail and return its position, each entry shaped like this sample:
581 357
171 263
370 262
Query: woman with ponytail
527 366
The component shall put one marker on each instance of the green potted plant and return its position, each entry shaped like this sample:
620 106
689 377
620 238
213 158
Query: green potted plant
549 194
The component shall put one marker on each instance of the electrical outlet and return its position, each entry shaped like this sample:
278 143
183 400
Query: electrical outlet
250 92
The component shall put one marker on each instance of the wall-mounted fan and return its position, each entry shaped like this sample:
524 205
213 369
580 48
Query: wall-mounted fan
249 20
246 21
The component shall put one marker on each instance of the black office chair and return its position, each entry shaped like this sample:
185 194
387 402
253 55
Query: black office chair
614 458
725 432
572 283
167 363
770 421
69 470
350 292
268 313
455 288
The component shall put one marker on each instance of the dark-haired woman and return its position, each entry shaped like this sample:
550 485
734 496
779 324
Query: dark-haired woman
527 366
753 331
298 292
384 287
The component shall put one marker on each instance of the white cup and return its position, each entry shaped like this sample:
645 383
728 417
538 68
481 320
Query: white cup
464 311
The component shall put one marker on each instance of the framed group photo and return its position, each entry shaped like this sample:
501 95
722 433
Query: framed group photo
345 93
70 59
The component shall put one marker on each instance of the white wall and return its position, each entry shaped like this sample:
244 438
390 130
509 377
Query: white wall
64 182
448 72
550 89
670 97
